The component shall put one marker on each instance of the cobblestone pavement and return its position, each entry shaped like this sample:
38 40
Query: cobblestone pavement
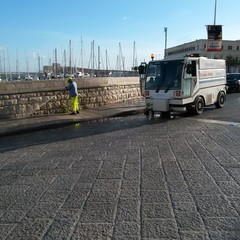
123 178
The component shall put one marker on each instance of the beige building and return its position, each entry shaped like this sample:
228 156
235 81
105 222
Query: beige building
230 49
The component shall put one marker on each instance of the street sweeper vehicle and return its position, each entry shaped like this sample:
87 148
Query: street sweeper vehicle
182 85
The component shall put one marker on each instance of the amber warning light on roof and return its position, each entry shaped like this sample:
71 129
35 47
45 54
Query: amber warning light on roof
152 56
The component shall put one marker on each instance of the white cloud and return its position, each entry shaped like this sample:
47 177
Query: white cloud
126 18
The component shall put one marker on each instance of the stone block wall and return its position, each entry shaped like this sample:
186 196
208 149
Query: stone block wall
26 98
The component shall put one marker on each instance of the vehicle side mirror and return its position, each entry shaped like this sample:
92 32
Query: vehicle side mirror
142 69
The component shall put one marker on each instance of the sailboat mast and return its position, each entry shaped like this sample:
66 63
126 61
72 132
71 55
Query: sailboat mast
93 55
39 65
4 64
56 62
81 55
0 64
106 60
27 64
9 66
17 64
70 56
99 61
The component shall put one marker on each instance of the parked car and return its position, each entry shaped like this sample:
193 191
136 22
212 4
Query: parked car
233 82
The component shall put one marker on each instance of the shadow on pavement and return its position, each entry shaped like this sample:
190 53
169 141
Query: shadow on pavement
77 130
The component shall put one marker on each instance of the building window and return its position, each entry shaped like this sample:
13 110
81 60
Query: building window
229 47
237 48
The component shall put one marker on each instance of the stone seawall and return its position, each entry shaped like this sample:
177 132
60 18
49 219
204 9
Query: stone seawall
26 98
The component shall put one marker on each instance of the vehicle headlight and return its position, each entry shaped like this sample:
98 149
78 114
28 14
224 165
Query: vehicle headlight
238 81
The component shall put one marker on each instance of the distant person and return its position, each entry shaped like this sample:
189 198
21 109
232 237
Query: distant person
73 93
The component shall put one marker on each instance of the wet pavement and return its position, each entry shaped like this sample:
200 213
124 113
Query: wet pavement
38 122
122 178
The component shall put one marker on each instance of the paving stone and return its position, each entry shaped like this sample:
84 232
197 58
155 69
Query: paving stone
181 149
189 220
63 163
228 161
222 235
159 229
88 175
12 216
63 225
28 199
204 188
64 182
148 165
98 212
111 173
10 194
235 174
184 206
76 199
103 196
112 185
173 173
30 229
58 196
60 229
215 206
92 231
194 235
150 153
127 229
114 161
40 165
218 173
128 210
235 203
182 198
153 180
44 210
190 164
130 189
155 197
177 186
157 210
14 166
5 230
131 172
150 184
222 224
85 162
79 185
230 188
9 179
37 181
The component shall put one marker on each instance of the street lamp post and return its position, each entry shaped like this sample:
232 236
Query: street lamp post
165 30
215 12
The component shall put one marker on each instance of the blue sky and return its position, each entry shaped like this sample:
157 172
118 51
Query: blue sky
36 27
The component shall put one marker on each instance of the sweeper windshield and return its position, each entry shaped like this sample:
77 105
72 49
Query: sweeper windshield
164 75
